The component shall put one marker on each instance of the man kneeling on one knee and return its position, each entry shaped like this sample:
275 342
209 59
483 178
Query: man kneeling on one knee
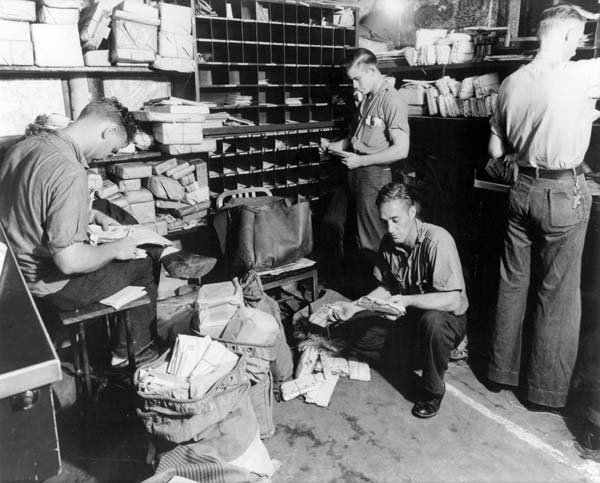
419 270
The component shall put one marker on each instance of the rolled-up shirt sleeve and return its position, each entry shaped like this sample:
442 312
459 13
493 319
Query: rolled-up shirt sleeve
447 270
67 214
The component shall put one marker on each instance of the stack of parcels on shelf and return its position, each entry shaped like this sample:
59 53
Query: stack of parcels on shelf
94 28
318 372
435 46
58 12
178 124
234 99
175 40
15 41
473 97
134 33
181 191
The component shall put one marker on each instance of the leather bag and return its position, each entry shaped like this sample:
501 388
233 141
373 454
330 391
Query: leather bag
264 232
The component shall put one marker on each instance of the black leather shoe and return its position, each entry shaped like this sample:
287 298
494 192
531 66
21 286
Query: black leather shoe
184 264
429 408
589 439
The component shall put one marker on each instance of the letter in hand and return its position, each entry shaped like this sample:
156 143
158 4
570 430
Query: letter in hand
343 311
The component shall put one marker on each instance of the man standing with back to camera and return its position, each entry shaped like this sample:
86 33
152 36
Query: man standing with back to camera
379 136
544 118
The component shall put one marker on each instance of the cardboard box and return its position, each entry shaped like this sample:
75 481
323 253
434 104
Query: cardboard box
131 33
16 52
179 108
58 16
143 212
201 172
132 170
164 166
56 45
139 196
13 30
23 11
208 145
173 64
130 184
139 9
173 45
178 133
94 26
97 58
132 56
175 18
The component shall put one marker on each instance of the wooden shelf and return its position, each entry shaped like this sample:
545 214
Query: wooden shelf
122 158
234 130
437 67
270 22
31 69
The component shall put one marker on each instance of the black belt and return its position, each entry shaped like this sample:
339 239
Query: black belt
551 173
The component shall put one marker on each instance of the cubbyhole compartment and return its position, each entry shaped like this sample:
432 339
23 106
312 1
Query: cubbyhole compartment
248 9
242 146
205 51
219 7
303 55
315 55
327 16
266 9
226 146
315 15
234 30
268 161
350 38
220 52
277 33
290 34
230 183
281 180
327 35
269 179
248 113
215 167
291 54
234 9
303 75
264 54
290 13
291 75
274 75
255 162
303 34
236 52
339 76
255 143
271 96
263 34
303 14
219 30
215 185
250 53
319 95
274 116
315 35
277 53
338 36
320 113
246 76
230 166
339 53
276 12
327 55
297 114
203 28
249 31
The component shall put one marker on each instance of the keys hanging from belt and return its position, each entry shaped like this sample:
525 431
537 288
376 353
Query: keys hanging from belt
577 193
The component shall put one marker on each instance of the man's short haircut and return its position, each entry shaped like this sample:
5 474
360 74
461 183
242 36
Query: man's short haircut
112 110
359 57
559 16
396 191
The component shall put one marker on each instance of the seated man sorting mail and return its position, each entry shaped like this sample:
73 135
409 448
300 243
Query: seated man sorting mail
420 274
44 208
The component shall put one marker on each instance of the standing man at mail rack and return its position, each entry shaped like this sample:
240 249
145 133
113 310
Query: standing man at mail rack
379 136
544 117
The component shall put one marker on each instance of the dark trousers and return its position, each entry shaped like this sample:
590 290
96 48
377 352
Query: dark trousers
352 213
86 289
542 259
434 332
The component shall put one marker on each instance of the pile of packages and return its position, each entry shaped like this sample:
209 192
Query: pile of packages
178 125
319 370
175 188
58 33
475 96
437 46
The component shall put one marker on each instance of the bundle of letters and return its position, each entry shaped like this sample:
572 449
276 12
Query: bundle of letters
327 314
318 371
196 364
448 97
437 46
